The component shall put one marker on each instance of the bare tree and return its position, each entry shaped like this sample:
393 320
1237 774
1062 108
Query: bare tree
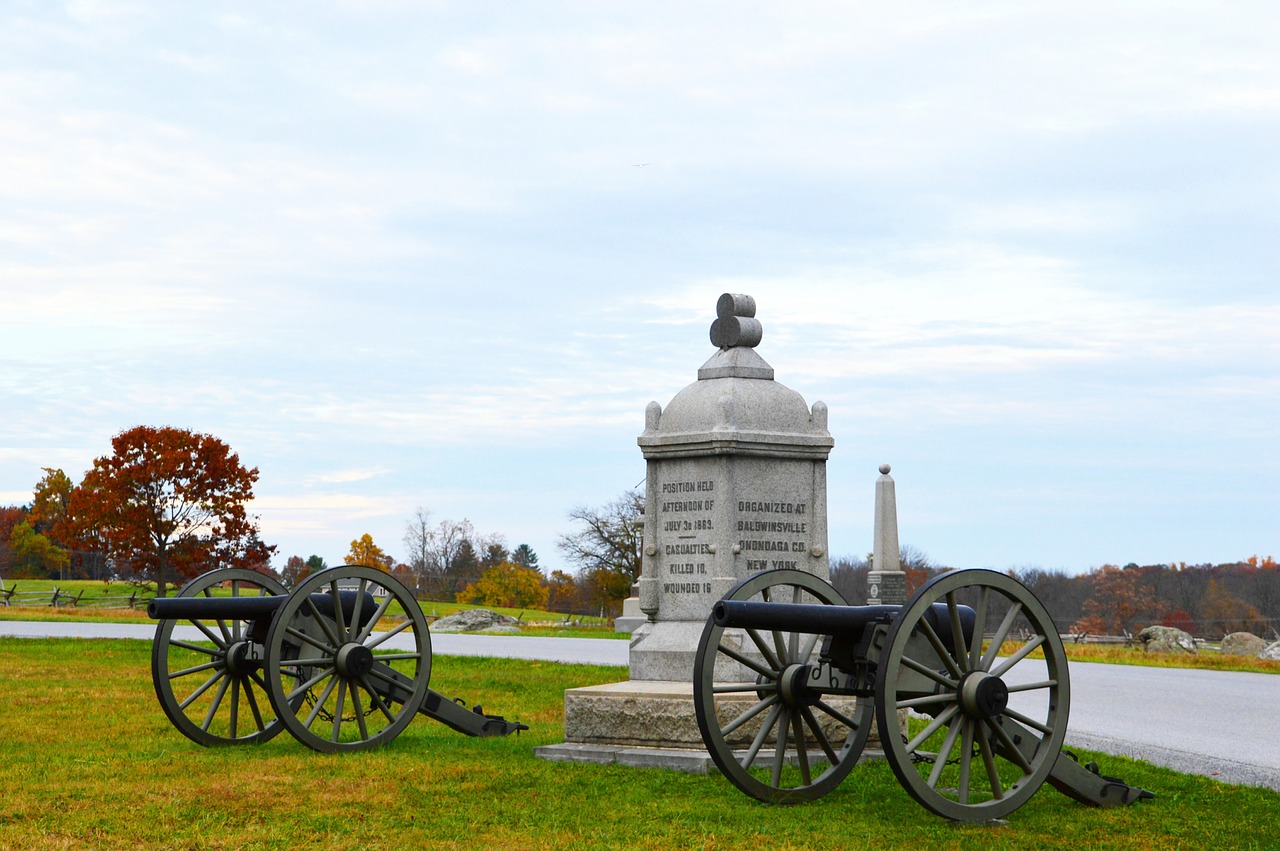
610 537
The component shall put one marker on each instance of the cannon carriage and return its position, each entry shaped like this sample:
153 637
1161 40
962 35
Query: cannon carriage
967 684
342 662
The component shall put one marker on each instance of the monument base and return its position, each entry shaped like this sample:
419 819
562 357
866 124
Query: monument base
639 723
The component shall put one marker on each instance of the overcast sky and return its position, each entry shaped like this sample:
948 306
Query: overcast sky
441 255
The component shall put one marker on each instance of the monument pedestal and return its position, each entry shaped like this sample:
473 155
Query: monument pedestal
644 723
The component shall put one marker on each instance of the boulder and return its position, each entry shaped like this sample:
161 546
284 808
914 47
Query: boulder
474 620
1242 644
1272 652
1166 639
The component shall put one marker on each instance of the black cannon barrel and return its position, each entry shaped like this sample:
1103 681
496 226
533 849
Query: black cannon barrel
253 608
831 620
799 617
215 608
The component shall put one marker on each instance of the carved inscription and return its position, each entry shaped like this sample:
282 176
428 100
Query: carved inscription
684 512
772 534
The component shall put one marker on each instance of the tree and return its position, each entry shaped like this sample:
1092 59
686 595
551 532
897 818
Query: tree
563 594
316 563
365 551
607 548
509 585
524 555
168 503
1116 606
295 570
51 499
34 556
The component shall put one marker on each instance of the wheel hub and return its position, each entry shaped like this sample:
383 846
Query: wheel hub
982 695
354 660
242 660
792 685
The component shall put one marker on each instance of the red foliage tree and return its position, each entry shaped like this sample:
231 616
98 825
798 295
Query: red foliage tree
169 503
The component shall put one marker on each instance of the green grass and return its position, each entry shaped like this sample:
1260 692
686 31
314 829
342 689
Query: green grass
88 760
533 622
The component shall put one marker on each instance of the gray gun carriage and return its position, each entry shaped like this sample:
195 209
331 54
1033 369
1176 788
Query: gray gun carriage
314 661
967 684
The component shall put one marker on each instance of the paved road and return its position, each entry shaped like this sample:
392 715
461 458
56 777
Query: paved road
1216 723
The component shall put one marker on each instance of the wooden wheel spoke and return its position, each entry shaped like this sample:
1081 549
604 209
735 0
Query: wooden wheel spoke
770 701
217 701
930 673
377 699
399 628
939 648
253 706
207 666
966 761
960 649
944 753
339 708
1022 653
219 641
327 649
205 686
979 628
749 758
339 617
741 688
359 710
302 689
196 648
944 717
836 714
747 661
373 621
1032 686
321 700
802 748
354 628
1030 722
927 700
780 748
324 622
989 761
1001 633
769 657
820 735
1010 750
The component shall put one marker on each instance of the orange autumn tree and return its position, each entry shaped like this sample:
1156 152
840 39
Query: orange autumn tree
169 503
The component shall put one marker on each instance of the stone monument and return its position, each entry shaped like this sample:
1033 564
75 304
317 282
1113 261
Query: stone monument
886 581
736 484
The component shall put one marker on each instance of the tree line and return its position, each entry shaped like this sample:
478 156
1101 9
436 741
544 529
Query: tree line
1206 600
167 504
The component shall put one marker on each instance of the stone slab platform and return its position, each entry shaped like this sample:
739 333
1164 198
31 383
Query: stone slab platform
674 759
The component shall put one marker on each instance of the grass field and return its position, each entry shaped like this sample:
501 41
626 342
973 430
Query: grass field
96 595
88 760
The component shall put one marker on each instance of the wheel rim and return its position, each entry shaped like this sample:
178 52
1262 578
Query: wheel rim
771 733
211 690
346 685
986 729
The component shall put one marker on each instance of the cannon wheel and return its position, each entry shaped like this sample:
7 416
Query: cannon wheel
962 763
209 701
321 664
810 756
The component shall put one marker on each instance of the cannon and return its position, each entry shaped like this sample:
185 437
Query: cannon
967 684
342 662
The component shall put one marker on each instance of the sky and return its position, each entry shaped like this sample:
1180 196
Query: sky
438 255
